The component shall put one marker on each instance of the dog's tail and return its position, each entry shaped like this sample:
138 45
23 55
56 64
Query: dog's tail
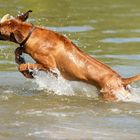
127 81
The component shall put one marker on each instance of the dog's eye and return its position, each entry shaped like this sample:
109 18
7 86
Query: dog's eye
11 25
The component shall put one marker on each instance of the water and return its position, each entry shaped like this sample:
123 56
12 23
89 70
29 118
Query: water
47 108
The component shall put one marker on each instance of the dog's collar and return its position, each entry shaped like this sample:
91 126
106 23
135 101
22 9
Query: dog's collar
27 37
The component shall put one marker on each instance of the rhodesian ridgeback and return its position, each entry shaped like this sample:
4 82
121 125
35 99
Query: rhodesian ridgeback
51 50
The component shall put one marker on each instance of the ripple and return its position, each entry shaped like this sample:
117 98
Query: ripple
128 57
135 30
109 31
93 21
72 28
128 15
115 110
121 31
6 62
3 47
121 40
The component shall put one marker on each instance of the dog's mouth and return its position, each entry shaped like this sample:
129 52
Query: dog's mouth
3 37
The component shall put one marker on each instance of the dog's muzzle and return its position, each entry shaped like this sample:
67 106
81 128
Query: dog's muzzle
2 37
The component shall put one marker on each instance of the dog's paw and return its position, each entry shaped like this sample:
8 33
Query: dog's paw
27 74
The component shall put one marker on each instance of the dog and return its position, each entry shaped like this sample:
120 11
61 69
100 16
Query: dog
51 50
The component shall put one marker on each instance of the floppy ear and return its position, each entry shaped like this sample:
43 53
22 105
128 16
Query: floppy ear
16 36
24 16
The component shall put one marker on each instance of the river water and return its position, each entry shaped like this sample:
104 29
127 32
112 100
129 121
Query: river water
47 108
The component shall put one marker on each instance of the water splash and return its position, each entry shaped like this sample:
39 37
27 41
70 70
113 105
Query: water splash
129 96
61 86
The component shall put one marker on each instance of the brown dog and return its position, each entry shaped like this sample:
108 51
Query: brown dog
52 51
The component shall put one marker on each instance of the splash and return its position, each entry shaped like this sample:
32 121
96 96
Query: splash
61 86
132 95
58 85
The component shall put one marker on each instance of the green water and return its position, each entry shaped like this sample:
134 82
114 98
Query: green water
109 30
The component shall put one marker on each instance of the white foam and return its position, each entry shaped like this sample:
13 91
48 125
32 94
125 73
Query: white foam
126 96
60 86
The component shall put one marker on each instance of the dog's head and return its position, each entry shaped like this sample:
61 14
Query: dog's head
9 26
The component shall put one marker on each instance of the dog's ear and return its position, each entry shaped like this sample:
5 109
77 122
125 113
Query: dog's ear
24 16
16 36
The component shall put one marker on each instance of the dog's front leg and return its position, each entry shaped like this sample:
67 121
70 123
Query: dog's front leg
18 58
24 69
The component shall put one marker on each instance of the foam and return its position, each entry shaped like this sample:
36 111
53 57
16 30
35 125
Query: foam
128 96
59 85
